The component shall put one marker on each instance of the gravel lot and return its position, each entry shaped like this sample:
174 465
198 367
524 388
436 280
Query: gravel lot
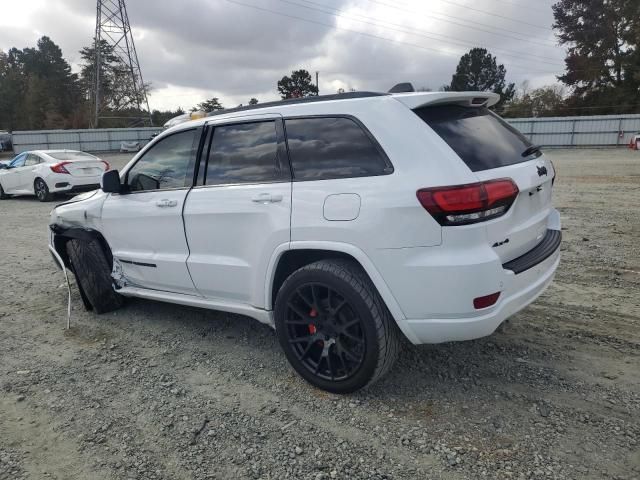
157 391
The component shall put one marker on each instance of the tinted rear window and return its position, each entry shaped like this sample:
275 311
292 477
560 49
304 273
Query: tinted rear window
479 137
332 147
244 153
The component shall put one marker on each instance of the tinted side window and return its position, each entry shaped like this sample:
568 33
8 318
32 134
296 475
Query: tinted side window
480 138
167 164
243 153
322 148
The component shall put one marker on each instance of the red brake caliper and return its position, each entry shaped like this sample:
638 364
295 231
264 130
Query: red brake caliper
312 327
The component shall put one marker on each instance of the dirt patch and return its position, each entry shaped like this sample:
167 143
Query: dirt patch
159 391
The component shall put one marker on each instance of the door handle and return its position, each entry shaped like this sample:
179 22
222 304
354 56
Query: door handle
266 198
166 203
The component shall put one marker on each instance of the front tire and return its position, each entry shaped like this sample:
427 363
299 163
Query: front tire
93 274
42 190
3 196
334 327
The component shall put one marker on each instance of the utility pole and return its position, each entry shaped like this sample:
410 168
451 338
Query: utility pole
112 26
317 84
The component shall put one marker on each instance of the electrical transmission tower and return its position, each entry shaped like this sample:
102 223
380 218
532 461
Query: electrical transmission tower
112 26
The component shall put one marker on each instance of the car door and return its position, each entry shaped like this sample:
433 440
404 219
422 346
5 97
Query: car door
11 176
241 211
143 225
28 173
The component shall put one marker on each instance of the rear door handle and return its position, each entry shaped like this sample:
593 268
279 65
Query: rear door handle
165 203
266 198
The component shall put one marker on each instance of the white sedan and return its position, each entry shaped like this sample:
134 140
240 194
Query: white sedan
45 172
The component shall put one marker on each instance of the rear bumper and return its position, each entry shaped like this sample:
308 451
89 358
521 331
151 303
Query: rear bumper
62 187
435 286
521 290
61 183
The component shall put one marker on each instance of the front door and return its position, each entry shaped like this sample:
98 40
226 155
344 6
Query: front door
241 212
143 225
11 176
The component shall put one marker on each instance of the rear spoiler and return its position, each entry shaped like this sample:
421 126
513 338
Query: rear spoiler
466 99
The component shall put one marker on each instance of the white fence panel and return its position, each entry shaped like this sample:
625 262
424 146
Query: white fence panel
98 140
595 131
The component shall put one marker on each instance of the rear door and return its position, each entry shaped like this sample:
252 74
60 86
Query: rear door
493 149
240 212
144 226
28 173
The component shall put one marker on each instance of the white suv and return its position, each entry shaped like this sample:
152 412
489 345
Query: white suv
341 221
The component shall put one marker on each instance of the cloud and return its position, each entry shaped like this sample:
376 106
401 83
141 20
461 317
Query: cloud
238 49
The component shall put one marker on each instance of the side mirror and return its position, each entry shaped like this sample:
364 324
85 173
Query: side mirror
110 182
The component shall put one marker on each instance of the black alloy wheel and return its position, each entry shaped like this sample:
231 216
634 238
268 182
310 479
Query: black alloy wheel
325 332
41 190
334 327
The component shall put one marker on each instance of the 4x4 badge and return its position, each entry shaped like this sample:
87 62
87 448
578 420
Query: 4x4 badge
542 171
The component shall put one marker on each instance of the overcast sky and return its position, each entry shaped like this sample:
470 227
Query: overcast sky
237 49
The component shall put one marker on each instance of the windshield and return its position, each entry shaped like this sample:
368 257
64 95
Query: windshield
71 156
480 138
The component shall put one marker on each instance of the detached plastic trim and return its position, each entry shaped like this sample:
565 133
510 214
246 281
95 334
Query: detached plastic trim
547 247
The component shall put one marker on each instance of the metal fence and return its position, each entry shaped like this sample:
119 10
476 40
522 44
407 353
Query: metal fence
99 140
592 131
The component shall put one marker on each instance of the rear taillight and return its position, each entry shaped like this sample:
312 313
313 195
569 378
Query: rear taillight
464 204
60 167
107 167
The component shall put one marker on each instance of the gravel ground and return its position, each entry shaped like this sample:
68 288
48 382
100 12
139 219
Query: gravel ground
157 391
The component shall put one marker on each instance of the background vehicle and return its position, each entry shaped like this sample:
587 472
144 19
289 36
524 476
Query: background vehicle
45 172
342 221
5 141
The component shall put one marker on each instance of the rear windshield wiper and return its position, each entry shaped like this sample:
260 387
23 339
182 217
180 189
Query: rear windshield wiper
531 150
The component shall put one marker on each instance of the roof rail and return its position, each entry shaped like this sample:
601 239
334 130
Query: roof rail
296 101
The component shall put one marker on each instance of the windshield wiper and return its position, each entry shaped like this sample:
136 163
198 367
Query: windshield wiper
531 150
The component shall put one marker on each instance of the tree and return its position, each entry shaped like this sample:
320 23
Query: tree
478 71
545 101
159 118
117 93
253 101
298 85
37 88
209 105
603 54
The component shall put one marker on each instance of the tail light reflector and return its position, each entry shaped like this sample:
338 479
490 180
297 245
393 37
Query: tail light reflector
464 204
107 167
486 301
60 167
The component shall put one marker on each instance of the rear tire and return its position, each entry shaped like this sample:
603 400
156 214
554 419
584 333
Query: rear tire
93 274
3 196
334 327
42 190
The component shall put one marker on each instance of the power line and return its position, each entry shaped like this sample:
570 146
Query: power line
497 15
400 42
524 5
473 22
371 35
430 35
